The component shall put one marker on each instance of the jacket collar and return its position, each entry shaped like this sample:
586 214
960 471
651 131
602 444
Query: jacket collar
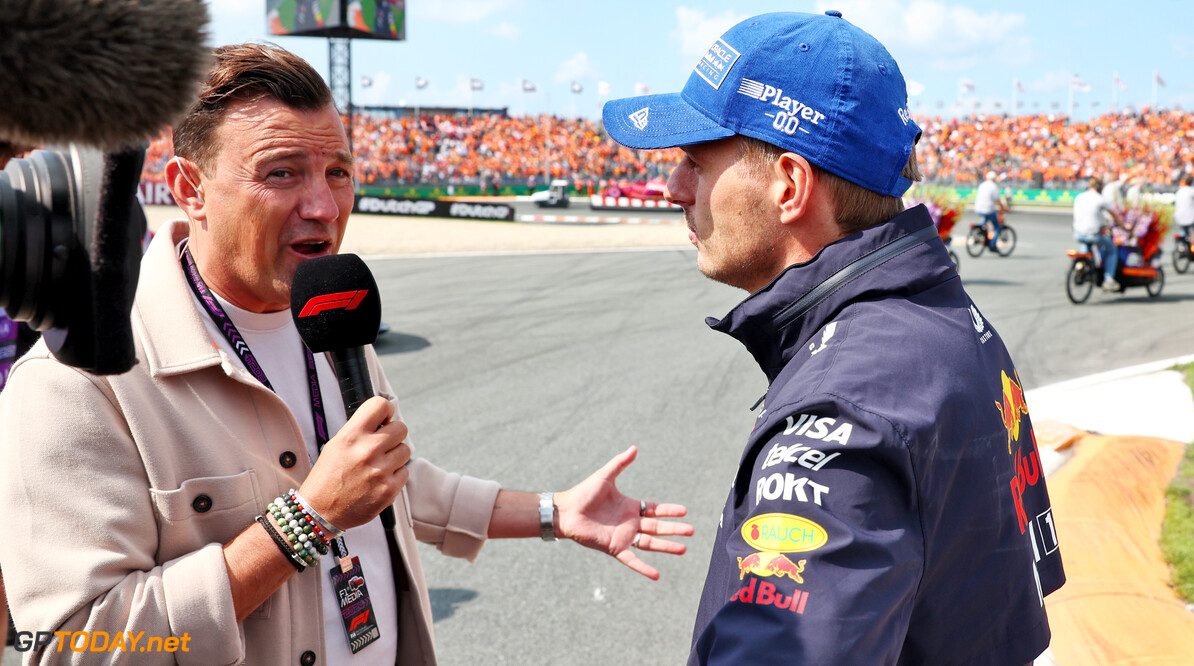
900 256
171 328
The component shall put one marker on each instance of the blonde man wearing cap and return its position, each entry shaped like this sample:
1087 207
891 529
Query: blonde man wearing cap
889 506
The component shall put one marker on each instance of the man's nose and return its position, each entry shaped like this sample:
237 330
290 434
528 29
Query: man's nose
319 202
678 189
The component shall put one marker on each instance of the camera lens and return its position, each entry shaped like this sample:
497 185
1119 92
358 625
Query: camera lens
42 212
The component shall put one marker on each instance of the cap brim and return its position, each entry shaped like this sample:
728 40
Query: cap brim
658 121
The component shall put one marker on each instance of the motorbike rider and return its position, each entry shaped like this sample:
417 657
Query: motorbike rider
1088 228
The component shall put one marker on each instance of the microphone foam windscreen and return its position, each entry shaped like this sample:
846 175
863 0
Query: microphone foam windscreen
106 73
335 303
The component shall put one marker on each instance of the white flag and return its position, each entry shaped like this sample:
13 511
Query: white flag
1078 84
1119 83
576 87
965 86
476 84
603 88
641 89
366 82
1019 86
527 86
420 82
1157 77
914 88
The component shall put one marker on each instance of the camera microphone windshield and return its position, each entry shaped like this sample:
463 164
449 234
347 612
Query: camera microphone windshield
108 73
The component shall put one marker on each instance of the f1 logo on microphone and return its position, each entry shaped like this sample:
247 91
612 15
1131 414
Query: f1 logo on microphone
342 300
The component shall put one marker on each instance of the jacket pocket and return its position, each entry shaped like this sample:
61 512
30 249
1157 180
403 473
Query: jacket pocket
203 510
210 509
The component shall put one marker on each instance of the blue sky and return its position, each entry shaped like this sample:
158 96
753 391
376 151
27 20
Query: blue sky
1043 44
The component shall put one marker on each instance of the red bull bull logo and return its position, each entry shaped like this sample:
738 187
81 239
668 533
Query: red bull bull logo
783 533
1012 407
770 564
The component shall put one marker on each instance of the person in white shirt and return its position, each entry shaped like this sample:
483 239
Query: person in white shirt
1088 229
1113 191
987 203
1135 191
1183 206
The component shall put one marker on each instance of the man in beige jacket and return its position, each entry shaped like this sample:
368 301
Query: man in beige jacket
134 503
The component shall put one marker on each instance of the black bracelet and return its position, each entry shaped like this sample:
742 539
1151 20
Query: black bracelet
291 556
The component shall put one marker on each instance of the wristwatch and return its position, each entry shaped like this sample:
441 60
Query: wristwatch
547 513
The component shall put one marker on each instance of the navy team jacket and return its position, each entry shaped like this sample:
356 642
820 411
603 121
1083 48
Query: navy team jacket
890 506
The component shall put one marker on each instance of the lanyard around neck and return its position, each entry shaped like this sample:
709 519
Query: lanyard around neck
238 344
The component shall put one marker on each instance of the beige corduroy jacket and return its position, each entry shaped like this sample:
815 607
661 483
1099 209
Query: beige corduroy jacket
98 484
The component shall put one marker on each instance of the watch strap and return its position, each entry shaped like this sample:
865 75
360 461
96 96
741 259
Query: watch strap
547 512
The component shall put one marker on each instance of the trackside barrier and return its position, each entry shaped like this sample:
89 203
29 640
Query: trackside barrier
433 208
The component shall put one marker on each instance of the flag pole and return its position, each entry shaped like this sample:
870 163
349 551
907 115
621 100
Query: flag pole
1154 90
1114 90
1071 99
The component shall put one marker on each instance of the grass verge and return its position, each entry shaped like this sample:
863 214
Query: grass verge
1177 532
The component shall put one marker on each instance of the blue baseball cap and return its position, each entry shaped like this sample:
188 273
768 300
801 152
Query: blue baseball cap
815 85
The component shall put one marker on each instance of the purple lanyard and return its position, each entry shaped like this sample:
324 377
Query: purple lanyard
238 344
232 335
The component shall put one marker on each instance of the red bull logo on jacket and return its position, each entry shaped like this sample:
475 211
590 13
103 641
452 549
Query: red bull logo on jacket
1012 407
1028 472
770 564
766 594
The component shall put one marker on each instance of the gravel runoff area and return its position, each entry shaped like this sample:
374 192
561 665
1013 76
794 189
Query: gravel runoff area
387 235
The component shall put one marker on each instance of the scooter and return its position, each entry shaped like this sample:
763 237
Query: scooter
1086 273
1183 251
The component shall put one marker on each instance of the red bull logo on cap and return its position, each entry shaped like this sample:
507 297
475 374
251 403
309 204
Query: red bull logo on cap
1011 408
783 533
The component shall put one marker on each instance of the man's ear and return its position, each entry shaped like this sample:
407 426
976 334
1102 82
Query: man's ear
184 192
793 186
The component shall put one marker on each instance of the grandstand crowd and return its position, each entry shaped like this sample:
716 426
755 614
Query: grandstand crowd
493 149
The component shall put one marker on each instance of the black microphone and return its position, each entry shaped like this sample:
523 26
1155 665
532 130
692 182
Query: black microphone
337 309
107 74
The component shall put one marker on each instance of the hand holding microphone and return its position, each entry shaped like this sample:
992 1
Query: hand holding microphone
337 309
362 469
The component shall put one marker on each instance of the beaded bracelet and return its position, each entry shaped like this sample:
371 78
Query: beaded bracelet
307 522
324 523
296 529
287 551
299 534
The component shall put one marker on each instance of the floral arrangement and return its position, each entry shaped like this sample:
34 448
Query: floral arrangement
1143 226
943 208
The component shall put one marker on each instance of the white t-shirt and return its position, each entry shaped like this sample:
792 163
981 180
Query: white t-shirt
1113 192
275 343
987 197
1183 206
1088 213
